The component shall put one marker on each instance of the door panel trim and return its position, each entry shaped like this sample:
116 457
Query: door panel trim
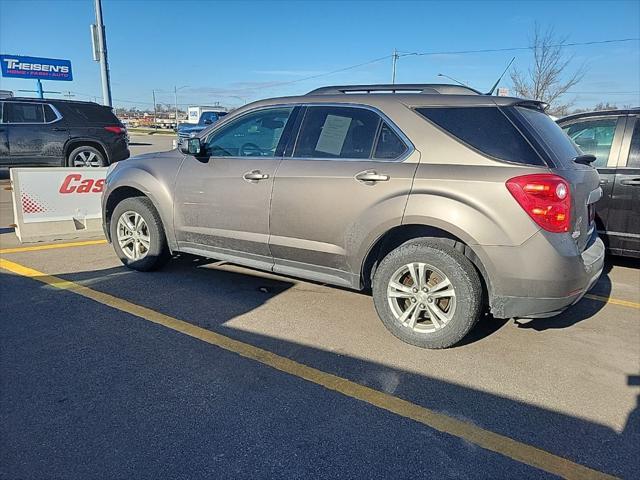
316 273
241 258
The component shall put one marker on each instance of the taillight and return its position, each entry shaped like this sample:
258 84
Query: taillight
115 129
546 198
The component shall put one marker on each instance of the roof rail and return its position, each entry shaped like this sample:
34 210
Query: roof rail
437 88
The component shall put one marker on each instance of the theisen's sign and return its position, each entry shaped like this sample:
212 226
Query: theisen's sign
15 66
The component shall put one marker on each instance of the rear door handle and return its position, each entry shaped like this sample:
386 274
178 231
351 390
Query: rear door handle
58 129
255 175
371 176
604 181
635 182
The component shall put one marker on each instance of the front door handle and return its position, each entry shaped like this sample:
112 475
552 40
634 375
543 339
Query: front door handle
604 181
371 176
635 182
255 175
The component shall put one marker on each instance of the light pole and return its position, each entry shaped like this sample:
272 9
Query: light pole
175 93
102 55
451 78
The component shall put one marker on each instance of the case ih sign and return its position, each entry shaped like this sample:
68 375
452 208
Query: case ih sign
15 66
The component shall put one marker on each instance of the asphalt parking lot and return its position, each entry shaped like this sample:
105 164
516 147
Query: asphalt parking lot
207 370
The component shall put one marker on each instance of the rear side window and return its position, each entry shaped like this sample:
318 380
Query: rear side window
87 112
634 153
337 132
389 145
49 114
485 129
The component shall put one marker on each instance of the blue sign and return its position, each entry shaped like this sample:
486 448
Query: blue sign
15 66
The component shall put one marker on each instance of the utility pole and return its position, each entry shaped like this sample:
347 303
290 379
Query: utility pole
102 54
155 113
394 61
175 94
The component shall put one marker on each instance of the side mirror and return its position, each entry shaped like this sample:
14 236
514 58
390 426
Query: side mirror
190 146
208 121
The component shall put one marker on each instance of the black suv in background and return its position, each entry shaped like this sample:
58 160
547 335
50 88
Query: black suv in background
614 138
59 133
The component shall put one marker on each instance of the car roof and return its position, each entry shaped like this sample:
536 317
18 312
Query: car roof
600 113
411 100
50 100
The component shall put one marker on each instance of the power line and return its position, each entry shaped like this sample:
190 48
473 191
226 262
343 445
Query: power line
407 54
606 93
514 49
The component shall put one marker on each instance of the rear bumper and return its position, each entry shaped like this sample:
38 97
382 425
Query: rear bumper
549 281
118 150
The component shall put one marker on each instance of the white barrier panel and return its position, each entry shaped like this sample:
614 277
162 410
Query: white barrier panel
57 203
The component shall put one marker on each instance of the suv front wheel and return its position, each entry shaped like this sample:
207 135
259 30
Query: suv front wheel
427 294
137 234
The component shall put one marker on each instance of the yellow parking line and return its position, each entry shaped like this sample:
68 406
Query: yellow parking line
613 301
486 439
51 246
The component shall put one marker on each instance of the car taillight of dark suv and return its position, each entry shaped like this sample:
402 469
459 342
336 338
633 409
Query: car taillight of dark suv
52 132
443 201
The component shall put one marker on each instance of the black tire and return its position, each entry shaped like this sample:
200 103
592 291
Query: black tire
460 272
96 156
158 253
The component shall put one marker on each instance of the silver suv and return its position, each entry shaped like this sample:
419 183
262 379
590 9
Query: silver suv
441 200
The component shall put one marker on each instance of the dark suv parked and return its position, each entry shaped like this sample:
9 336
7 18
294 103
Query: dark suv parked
59 133
613 137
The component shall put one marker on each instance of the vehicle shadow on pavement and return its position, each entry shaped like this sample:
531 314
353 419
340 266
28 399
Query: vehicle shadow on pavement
222 295
210 297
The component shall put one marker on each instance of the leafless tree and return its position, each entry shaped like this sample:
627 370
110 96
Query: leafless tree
549 77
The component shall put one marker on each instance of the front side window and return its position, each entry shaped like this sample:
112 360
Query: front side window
253 135
485 129
23 113
337 132
594 137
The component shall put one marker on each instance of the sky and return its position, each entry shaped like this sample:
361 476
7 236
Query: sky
235 52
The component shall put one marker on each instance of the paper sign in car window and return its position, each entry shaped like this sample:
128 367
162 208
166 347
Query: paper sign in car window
334 131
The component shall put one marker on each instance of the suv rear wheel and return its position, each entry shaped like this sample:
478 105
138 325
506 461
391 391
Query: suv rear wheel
86 156
138 235
427 294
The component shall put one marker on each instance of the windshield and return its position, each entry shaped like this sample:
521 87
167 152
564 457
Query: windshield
210 117
555 142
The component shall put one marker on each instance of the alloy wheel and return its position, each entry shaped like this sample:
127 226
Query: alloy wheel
133 235
421 297
86 158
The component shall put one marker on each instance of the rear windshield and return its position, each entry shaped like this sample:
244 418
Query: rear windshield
90 113
553 140
485 129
